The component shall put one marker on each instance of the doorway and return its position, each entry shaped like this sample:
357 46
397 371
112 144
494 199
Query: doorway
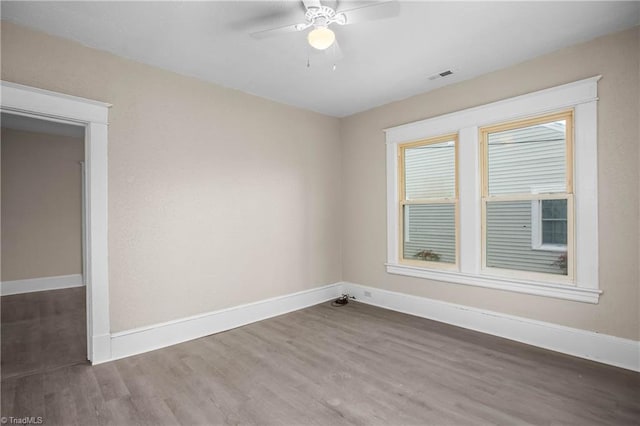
92 117
43 294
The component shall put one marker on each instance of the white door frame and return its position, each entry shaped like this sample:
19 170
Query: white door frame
93 116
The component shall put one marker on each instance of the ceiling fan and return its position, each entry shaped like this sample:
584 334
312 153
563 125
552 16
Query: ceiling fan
322 17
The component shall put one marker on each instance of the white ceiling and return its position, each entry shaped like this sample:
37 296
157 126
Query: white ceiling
383 61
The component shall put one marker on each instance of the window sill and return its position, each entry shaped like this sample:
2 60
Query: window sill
558 291
550 247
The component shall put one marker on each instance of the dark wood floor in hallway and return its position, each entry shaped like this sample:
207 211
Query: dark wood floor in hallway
43 330
327 365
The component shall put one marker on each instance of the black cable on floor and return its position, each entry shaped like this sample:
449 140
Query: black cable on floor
341 301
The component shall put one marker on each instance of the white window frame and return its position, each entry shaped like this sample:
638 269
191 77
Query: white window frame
581 96
536 230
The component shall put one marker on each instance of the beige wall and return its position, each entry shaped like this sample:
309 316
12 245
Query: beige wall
616 57
216 197
41 205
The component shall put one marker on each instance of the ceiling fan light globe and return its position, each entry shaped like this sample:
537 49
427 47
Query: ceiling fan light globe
321 38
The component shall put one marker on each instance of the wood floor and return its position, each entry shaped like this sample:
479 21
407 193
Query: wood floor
42 331
327 365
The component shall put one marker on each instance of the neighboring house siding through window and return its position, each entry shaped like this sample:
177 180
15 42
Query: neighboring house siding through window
431 227
528 160
428 198
430 173
509 245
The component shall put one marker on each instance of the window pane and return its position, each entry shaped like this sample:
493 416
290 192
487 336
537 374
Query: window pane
554 209
528 160
554 222
509 240
430 232
554 232
429 171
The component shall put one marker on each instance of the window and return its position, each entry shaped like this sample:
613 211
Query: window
549 225
507 199
428 202
554 223
527 197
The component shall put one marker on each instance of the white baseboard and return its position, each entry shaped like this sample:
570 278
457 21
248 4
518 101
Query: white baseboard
145 339
8 288
616 351
101 349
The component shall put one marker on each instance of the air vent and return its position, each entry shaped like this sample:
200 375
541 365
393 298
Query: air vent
441 74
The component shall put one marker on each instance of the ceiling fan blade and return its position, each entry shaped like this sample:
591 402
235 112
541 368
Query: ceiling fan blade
279 31
312 3
382 10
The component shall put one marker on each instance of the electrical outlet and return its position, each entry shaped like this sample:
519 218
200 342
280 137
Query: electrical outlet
367 294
